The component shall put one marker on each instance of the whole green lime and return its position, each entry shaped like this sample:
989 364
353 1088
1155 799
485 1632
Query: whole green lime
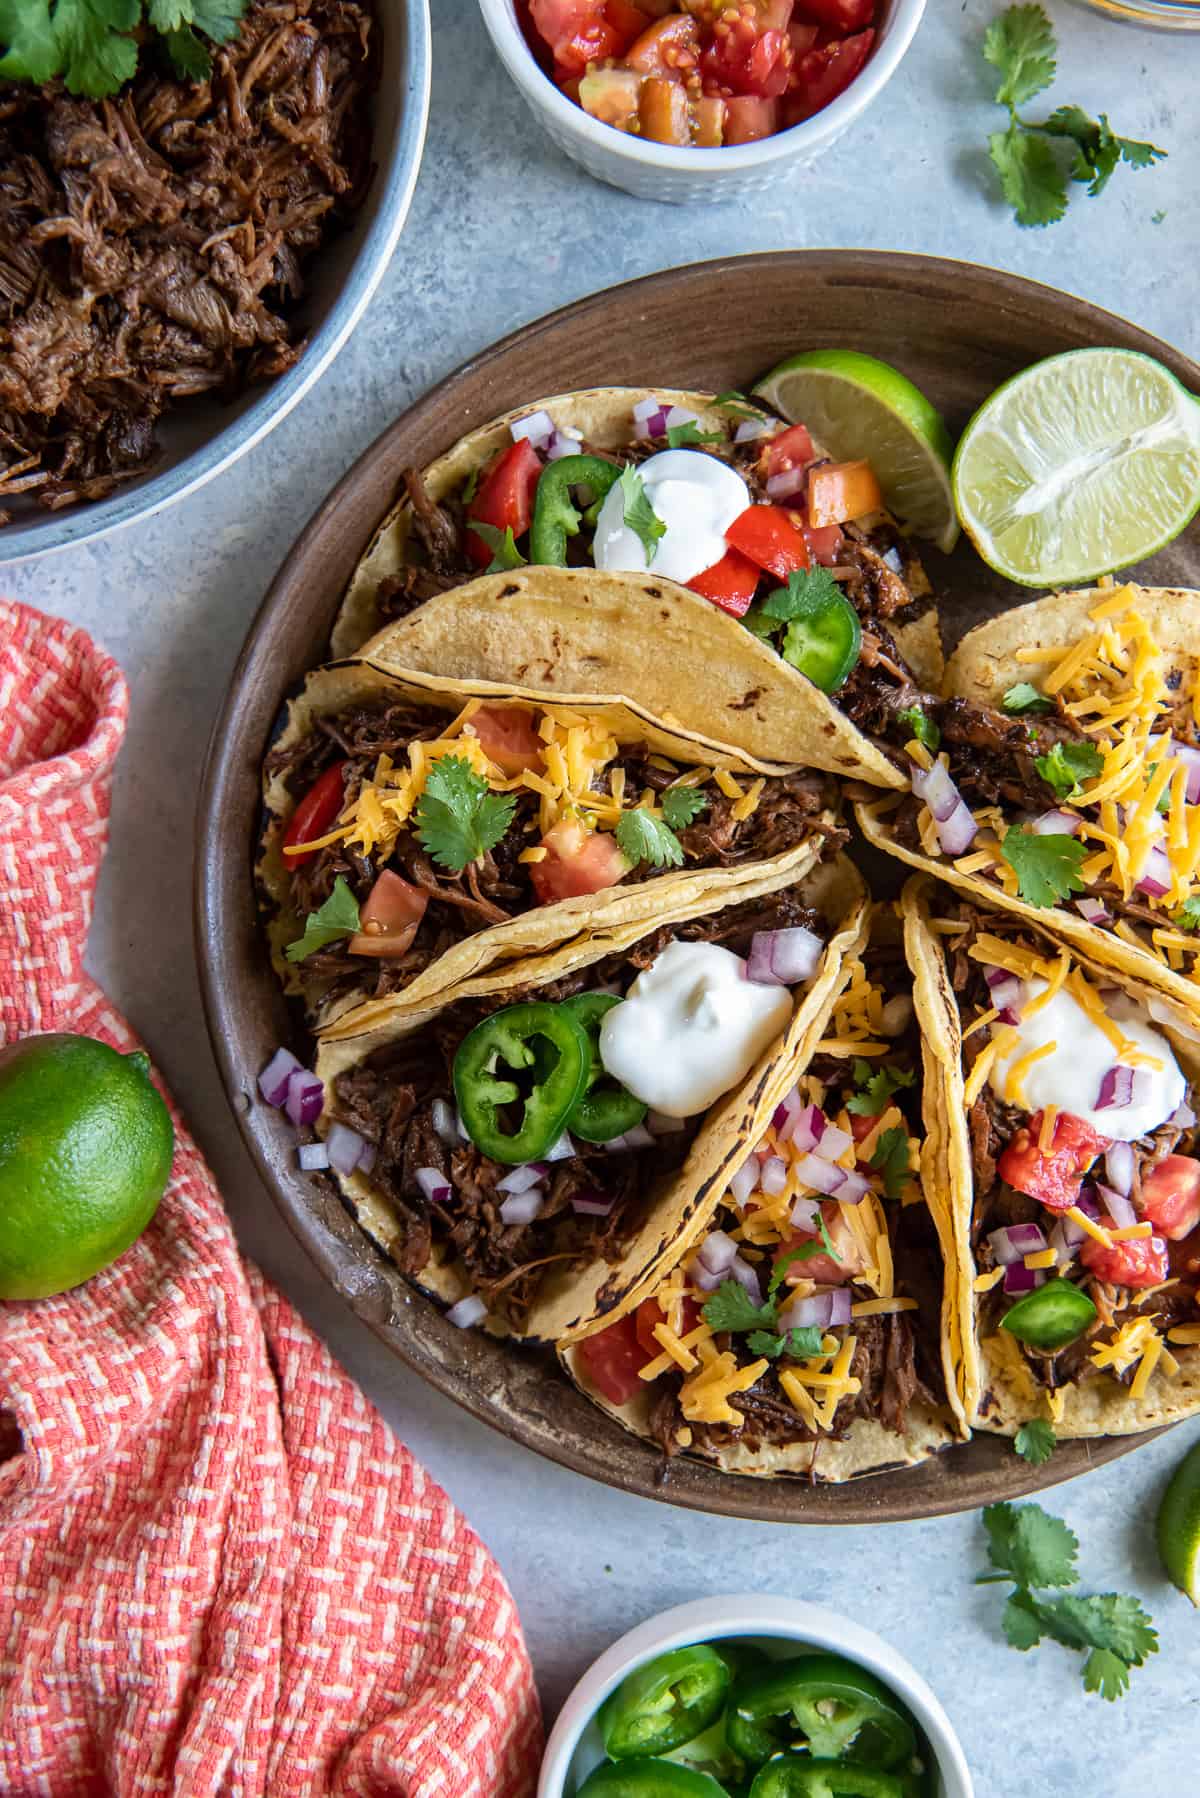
85 1153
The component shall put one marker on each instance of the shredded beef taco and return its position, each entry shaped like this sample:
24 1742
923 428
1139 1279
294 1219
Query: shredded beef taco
419 831
808 1322
699 555
530 1151
1070 1123
1060 778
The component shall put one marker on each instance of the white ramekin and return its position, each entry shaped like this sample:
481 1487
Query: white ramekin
668 172
746 1614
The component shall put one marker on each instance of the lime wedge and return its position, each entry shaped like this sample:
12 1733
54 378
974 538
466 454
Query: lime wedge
862 409
1178 1525
1078 466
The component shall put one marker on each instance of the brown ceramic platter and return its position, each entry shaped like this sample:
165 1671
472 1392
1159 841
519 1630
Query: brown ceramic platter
958 331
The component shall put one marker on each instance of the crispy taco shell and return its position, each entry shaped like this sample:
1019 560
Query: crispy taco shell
673 894
572 1303
996 1390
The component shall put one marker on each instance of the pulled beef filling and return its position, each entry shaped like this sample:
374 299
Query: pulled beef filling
390 1098
896 1357
498 887
154 246
992 1123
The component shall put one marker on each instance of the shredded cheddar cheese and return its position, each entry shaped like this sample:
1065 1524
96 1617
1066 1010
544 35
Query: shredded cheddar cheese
1056 1404
985 1282
1089 1226
1041 1258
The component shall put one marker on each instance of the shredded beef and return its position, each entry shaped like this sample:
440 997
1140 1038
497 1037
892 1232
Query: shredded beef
154 246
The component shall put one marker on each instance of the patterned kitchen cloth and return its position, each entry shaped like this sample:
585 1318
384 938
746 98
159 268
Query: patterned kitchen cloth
220 1572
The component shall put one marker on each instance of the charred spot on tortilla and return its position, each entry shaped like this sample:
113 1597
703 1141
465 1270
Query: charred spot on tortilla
513 588
748 699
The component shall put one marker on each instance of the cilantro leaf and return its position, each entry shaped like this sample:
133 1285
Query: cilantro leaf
458 818
96 57
876 1088
802 1252
1067 765
638 512
920 725
32 48
188 55
503 545
760 625
336 918
1021 45
470 488
1024 697
1188 915
739 404
1032 1547
644 838
1030 177
807 590
732 1308
1098 149
1047 868
1021 1627
798 1345
1106 1673
1109 1620
890 1157
682 805
1035 1441
690 436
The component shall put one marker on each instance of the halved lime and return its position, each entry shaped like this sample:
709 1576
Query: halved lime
862 409
1177 1525
1080 465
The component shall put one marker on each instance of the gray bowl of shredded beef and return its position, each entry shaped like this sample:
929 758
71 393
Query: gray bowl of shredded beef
179 263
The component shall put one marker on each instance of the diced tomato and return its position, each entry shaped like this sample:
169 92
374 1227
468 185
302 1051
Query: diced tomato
823 1268
505 496
611 95
591 43
769 537
571 86
558 21
509 738
613 1358
578 861
802 38
1171 1196
1142 1262
670 46
774 15
315 813
746 120
748 59
390 917
1053 1178
792 448
842 16
650 1314
825 544
730 583
627 21
663 111
838 491
709 132
822 74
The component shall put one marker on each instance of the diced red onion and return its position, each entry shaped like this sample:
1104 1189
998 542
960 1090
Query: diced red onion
313 1156
956 828
467 1313
773 1178
821 1175
522 1178
1184 752
659 1124
1012 1241
650 418
746 1276
563 443
1061 1242
783 957
1119 1208
444 1122
345 1148
834 1143
789 1109
646 408
1018 1278
434 1185
717 1252
701 1279
273 1081
1056 824
1118 1165
853 1189
1117 1088
562 1150
820 1310
894 560
750 429
809 1128
592 1203
1094 911
368 1158
1155 878
522 1207
1088 1203
745 1180
787 484
305 1099
896 1015
636 1138
806 1214
679 415
536 427
1183 1117
1008 993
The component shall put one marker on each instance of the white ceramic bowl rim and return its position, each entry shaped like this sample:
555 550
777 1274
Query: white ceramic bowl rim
753 1614
892 41
389 200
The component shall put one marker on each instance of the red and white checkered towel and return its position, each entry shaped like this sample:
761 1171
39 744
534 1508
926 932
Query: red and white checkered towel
220 1573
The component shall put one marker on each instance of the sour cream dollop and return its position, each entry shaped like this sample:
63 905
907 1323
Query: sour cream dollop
1071 1077
696 496
690 1028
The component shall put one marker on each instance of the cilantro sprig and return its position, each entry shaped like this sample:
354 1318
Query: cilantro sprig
732 1309
94 44
642 837
1067 765
890 1158
503 545
1188 915
921 727
458 818
1047 868
875 1088
1037 1553
690 436
338 917
638 512
681 806
1021 46
1036 1441
1025 698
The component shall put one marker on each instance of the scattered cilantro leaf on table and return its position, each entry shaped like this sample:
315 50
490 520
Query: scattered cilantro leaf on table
644 838
638 512
1035 1441
1067 765
876 1086
338 917
683 805
458 817
1047 868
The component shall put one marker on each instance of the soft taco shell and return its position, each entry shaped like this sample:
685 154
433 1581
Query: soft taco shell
867 1448
996 1390
676 893
573 1303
